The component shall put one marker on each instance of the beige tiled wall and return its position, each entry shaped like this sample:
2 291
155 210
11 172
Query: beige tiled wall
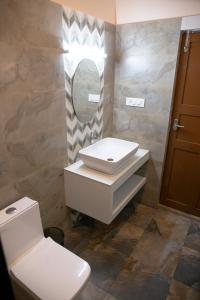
32 106
146 55
109 73
33 134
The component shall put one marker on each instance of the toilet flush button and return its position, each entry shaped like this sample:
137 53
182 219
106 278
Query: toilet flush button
10 210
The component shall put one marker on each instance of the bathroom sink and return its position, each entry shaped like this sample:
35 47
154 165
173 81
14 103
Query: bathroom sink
108 155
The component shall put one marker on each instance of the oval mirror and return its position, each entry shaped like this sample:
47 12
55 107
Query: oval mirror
86 90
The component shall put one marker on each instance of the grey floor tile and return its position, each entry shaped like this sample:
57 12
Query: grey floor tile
172 226
180 291
140 286
193 238
91 292
139 256
142 216
106 263
155 254
188 268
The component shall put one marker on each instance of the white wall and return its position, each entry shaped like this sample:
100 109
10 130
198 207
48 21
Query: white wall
103 9
190 23
129 11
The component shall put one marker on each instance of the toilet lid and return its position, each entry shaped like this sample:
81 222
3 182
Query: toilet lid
51 272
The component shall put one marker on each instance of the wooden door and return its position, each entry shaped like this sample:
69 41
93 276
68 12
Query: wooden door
181 179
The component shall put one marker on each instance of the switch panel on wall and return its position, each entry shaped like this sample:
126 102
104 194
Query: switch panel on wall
93 98
138 102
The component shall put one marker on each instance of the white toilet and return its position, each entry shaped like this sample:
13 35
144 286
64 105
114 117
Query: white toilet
44 268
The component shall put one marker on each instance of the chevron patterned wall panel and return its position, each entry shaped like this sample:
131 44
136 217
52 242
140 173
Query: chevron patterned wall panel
81 32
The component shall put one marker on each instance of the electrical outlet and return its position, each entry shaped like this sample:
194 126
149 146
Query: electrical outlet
137 102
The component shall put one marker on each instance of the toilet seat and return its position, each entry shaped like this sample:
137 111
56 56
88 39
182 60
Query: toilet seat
50 271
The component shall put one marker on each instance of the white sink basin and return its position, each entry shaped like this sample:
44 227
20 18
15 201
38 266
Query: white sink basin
108 155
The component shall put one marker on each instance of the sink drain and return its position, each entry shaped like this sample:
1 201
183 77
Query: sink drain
110 159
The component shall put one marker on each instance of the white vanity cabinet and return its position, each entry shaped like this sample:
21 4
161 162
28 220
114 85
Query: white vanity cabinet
99 195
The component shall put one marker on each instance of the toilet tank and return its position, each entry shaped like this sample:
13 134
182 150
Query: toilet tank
20 228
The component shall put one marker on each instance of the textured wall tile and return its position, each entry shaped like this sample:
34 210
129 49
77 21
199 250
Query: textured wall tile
30 69
146 55
28 113
46 63
151 191
8 195
32 100
122 120
37 151
49 192
6 174
110 34
8 65
33 23
81 30
158 95
109 71
109 80
148 37
152 126
108 109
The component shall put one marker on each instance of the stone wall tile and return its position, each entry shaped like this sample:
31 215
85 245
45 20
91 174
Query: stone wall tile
46 186
146 55
37 151
24 114
34 23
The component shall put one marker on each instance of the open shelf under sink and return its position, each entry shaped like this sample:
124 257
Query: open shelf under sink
99 195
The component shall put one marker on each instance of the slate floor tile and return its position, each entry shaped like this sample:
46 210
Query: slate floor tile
188 268
142 216
74 236
180 291
130 231
105 263
144 254
193 238
125 239
91 292
156 254
170 226
109 297
140 286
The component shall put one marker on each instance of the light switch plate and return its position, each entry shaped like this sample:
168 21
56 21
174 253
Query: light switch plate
93 98
137 102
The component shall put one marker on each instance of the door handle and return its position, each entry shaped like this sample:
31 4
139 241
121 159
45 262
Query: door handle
176 125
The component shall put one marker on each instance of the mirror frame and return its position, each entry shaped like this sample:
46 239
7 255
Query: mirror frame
72 89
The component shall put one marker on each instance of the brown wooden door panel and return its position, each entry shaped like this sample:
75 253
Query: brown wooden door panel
192 91
191 110
190 133
180 144
181 179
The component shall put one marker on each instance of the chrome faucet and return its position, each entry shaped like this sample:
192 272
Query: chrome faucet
93 137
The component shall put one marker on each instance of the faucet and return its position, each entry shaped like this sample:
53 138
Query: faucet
93 137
